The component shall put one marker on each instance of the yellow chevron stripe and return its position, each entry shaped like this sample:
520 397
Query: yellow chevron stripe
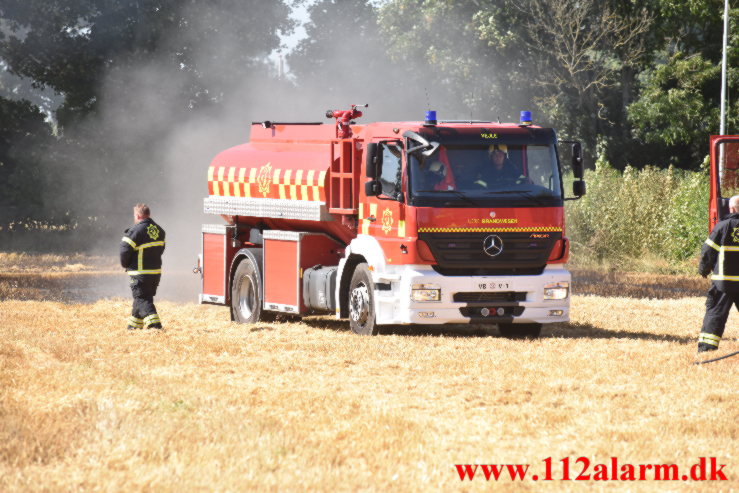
309 185
276 181
252 179
285 184
490 230
294 186
239 182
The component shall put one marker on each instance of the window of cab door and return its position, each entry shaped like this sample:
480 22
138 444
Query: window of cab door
392 169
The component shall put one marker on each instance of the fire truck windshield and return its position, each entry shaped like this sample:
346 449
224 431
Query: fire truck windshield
486 175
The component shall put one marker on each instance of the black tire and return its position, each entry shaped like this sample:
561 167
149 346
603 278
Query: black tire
362 302
246 293
520 331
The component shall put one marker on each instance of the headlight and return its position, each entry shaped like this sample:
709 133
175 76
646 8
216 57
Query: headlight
425 292
556 290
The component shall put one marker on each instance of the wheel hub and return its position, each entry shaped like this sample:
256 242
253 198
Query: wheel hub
359 304
246 297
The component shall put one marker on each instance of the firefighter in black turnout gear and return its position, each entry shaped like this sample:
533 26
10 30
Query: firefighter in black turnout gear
720 254
141 255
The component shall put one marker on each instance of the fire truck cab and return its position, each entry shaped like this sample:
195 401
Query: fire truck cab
425 222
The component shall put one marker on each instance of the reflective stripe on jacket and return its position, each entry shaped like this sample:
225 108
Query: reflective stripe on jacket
720 255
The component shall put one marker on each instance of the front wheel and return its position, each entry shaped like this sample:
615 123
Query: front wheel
362 302
246 293
520 331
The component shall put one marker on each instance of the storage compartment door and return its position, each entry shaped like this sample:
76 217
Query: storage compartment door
282 271
215 263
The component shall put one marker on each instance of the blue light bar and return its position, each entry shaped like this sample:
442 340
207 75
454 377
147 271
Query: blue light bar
525 118
430 118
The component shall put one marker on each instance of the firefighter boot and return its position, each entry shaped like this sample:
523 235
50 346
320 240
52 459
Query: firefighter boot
703 347
153 322
135 323
708 342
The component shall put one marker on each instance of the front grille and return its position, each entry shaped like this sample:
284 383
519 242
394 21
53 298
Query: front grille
483 297
462 254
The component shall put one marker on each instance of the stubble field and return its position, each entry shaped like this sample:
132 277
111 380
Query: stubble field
307 406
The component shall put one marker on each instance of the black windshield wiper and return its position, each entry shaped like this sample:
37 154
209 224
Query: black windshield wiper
455 192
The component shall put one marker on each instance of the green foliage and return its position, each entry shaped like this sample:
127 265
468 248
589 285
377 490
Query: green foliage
640 213
679 107
24 138
75 46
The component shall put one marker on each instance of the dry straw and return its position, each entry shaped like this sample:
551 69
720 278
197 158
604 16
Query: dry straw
215 406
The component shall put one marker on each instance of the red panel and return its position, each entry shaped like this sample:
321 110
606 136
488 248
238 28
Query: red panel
281 272
539 219
319 249
214 271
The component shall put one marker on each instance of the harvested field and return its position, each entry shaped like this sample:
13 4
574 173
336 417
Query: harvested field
212 405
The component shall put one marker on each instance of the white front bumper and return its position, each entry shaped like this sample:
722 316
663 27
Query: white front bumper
395 306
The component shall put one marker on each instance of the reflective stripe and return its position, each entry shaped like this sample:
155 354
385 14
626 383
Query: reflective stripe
137 272
710 336
710 342
719 277
151 244
129 241
712 245
151 317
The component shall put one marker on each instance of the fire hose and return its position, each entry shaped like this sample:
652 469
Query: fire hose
716 359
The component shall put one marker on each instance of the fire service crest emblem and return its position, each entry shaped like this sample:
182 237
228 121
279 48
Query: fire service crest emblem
387 220
264 180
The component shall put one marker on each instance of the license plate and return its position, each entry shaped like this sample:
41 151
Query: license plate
492 286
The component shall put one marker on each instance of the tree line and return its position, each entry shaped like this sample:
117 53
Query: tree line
96 95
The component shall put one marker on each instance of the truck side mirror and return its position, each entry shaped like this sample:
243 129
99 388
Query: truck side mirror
578 188
373 188
578 169
371 160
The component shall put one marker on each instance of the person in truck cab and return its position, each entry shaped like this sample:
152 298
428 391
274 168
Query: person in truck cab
437 177
499 172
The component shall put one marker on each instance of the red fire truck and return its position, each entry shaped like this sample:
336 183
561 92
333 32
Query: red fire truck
391 223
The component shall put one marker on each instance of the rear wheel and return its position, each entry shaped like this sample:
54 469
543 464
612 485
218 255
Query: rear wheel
246 293
362 302
520 331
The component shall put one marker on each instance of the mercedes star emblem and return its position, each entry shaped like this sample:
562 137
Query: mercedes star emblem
492 245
